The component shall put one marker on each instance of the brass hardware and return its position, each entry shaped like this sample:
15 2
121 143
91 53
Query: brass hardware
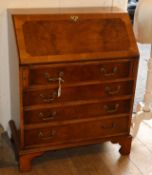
46 117
74 18
110 74
49 98
110 109
49 136
110 127
110 91
61 74
49 79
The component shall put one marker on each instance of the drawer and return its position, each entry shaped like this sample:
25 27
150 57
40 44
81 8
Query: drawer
82 111
77 93
77 131
78 72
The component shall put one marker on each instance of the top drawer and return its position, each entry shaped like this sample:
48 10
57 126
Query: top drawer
78 72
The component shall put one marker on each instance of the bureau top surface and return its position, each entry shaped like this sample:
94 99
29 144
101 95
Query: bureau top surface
74 35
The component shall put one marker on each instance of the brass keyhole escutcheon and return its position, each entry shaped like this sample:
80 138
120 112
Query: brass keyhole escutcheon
74 18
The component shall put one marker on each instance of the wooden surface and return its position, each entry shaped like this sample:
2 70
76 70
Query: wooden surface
101 159
73 84
70 36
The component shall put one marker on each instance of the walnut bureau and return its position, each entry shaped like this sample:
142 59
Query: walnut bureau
78 70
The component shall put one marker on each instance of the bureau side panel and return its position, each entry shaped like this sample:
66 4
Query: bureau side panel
134 71
14 74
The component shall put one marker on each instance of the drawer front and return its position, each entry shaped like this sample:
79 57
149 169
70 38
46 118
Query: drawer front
77 112
77 93
78 72
78 131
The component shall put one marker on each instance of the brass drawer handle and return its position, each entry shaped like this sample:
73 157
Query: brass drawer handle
49 98
110 91
109 74
112 126
74 18
50 135
49 79
47 117
110 109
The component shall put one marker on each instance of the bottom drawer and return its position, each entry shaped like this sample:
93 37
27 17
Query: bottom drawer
73 132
